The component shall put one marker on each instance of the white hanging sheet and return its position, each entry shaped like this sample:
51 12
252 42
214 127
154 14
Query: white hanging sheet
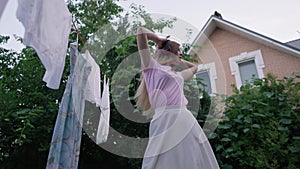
47 27
103 126
93 90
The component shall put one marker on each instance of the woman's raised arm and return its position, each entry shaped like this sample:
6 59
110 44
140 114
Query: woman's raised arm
143 35
190 71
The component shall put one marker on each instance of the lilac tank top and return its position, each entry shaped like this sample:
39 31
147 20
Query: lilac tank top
164 86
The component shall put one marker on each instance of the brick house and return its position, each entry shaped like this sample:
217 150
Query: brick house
230 54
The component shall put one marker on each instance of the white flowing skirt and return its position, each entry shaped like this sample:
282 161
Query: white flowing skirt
176 141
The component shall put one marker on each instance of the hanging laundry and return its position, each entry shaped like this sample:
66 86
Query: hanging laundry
103 126
93 91
65 144
2 6
47 27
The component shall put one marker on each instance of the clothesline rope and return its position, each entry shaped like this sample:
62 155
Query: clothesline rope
81 40
77 31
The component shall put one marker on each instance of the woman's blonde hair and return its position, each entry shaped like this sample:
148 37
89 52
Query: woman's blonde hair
141 96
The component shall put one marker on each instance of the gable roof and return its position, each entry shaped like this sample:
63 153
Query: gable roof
294 43
218 22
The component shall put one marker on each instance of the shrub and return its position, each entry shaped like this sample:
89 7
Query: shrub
262 126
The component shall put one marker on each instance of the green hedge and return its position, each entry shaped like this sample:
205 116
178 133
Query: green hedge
261 126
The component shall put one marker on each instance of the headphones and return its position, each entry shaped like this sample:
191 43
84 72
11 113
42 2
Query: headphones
166 45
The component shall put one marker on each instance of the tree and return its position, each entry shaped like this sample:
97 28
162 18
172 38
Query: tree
28 108
111 46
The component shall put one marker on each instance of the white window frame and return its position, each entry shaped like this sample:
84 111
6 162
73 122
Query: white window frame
243 57
211 69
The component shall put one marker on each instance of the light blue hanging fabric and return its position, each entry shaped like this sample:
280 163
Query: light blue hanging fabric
2 6
65 144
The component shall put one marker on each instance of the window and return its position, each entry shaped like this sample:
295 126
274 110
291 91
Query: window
208 75
204 76
247 71
246 66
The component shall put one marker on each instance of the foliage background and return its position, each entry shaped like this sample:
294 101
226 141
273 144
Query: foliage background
260 128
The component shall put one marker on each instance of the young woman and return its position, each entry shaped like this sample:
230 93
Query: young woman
176 141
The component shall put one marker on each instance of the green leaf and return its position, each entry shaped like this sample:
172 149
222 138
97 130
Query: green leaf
294 149
256 126
21 112
296 138
259 114
240 142
224 126
240 116
259 102
219 147
234 134
225 139
246 130
269 94
247 120
30 125
213 135
229 150
281 98
18 129
286 121
286 113
246 107
280 128
23 136
238 120
227 166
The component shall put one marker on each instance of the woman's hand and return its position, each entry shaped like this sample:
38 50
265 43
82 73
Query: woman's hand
186 64
160 41
190 71
150 35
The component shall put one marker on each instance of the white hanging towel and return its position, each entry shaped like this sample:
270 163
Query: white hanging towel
93 90
103 126
2 6
47 26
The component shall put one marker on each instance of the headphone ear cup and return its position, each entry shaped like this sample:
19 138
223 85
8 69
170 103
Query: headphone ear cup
166 45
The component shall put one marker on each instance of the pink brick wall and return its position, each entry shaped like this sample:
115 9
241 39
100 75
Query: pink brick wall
222 45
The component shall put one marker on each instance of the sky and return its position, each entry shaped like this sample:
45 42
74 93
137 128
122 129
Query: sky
277 19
